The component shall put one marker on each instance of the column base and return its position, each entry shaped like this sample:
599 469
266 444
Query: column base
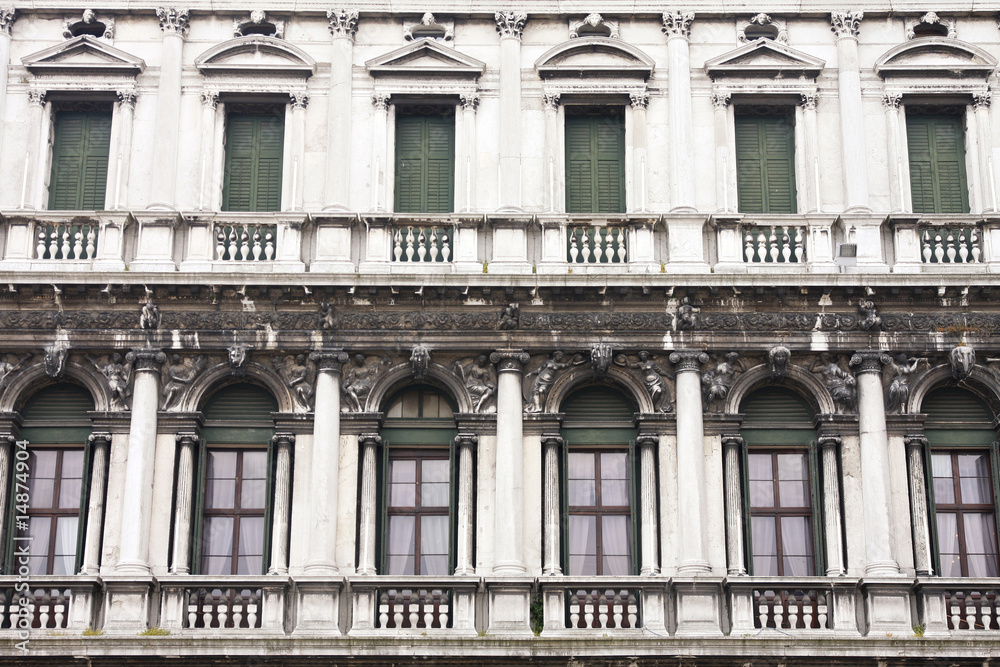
128 604
509 601
318 606
699 605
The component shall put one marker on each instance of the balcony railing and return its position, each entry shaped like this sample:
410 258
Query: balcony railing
792 604
244 242
67 241
414 604
609 604
971 605
596 245
422 244
777 244
960 245
200 603
48 603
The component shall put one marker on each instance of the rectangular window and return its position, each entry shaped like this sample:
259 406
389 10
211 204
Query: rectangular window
254 144
80 160
425 160
965 514
55 488
599 534
418 515
935 141
780 514
595 160
234 511
765 160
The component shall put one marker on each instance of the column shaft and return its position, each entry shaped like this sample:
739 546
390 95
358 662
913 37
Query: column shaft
732 446
298 139
184 504
325 464
380 137
366 520
7 17
100 444
508 540
691 497
464 557
466 175
923 563
168 111
898 201
852 118
282 503
33 179
679 121
636 196
725 195
343 25
7 458
650 553
510 26
553 166
831 507
811 171
987 170
123 160
209 109
552 544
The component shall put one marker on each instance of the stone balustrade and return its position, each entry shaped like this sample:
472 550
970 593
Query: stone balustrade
49 603
959 606
213 604
414 605
609 604
792 604
495 243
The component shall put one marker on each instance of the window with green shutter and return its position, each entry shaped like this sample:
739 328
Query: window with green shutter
765 160
254 144
80 160
935 140
425 160
595 160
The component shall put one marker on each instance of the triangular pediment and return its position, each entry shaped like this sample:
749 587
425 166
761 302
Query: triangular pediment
256 53
594 55
84 55
764 58
426 57
936 55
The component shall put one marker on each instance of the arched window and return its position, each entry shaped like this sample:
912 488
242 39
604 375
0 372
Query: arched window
962 491
599 497
236 473
418 483
781 485
56 426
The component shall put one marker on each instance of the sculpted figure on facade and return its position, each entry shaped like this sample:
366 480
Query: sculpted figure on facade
717 380
600 358
510 317
299 375
545 376
327 316
687 317
652 375
777 359
839 381
237 357
961 359
359 378
118 374
420 359
89 24
149 318
868 317
901 367
178 375
479 380
6 367
55 359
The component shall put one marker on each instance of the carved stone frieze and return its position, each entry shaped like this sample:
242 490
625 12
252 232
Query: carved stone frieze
721 100
808 101
544 377
359 378
117 374
510 317
870 361
869 319
509 360
655 378
717 378
237 357
300 100
777 28
687 315
177 375
127 98
480 381
9 363
299 375
7 17
470 101
258 23
892 100
931 19
686 361
600 359
146 358
639 100
551 101
149 317
777 360
899 369
173 20
55 358
839 380
36 97
429 26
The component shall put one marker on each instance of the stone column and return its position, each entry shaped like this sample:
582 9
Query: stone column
7 17
852 118
7 458
988 191
380 152
811 172
510 25
509 542
325 462
691 498
466 169
649 562
923 562
732 446
180 561
677 27
464 561
123 161
367 520
209 109
299 103
281 516
139 466
552 549
343 27
725 193
553 155
166 131
896 153
33 180
636 195
875 485
833 528
100 444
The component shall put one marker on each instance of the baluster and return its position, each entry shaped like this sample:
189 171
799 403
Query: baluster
40 248
244 243
773 242
807 609
421 245
609 246
601 608
192 605
633 610
821 610
397 608
383 610
65 242
237 610
257 249
963 246
42 605
618 609
786 246
748 251
800 246
779 611
59 608
620 240
574 608
232 245
956 619
444 613
221 608
430 606
588 609
445 248
220 244
763 608
397 245
761 246
269 246
434 244
413 600
597 240
252 608
950 246
78 244
970 609
585 242
974 242
54 244
983 607
409 244
926 252
573 250
938 248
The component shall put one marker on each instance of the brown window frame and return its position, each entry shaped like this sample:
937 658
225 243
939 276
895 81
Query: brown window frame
416 511
777 511
55 513
236 512
599 509
959 509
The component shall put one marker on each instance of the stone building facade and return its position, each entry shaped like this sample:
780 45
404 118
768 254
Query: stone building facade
451 333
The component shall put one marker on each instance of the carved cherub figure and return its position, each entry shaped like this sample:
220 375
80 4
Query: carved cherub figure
717 381
296 372
6 368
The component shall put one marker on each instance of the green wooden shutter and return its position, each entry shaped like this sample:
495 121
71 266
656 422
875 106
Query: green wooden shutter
564 507
595 164
425 163
816 499
745 496
957 417
635 474
382 531
81 523
453 506
254 145
765 163
197 526
931 509
272 461
937 163
80 161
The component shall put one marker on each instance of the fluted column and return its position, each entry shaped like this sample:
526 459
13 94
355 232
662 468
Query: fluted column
510 25
554 197
552 548
370 443
833 528
343 27
508 540
466 169
123 160
677 27
7 17
298 140
7 458
325 463
183 502
725 193
134 554
33 179
691 498
380 152
464 561
875 483
281 516
732 447
988 190
166 131
852 118
209 110
808 102
923 562
636 196
649 562
100 444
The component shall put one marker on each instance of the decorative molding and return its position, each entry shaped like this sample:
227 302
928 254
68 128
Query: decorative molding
892 100
173 20
721 100
283 438
827 441
765 58
466 439
420 359
343 22
551 101
915 441
84 56
36 97
590 25
429 27
7 17
962 359
777 359
264 62
103 437
510 23
258 17
982 100
85 25
761 19
647 440
470 101
686 361
380 101
732 440
369 439
846 23
639 100
677 24
939 63
931 18
299 100
210 98
331 361
127 98
808 101
187 438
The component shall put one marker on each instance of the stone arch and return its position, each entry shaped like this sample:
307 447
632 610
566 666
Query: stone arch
980 382
33 379
595 55
256 53
220 375
575 378
931 55
797 379
401 375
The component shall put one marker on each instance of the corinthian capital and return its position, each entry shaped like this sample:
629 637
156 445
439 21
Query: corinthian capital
7 17
343 22
510 23
127 98
173 20
37 97
846 24
677 24
688 360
